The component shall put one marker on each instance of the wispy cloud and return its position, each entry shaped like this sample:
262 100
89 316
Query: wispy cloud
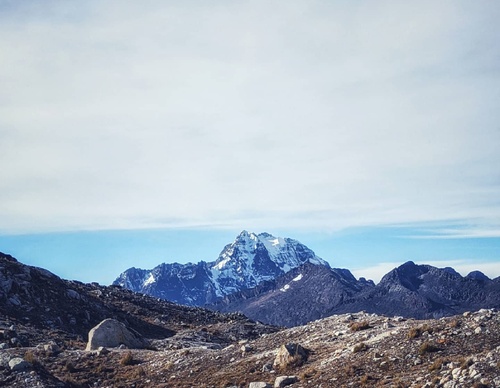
299 114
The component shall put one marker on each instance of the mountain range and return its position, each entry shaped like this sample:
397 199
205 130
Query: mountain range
250 260
282 282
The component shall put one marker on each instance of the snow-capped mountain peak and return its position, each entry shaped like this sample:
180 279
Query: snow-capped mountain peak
249 260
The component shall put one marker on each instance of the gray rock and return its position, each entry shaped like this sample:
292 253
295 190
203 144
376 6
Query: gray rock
259 384
51 348
111 333
246 348
17 364
73 294
14 300
283 381
290 354
102 350
15 342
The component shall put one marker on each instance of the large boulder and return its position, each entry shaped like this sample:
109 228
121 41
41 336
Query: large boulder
110 333
290 356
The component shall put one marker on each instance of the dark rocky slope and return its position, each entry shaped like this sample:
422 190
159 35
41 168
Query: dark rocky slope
41 305
304 294
417 291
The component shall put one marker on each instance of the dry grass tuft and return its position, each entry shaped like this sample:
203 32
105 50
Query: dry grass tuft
465 363
357 326
365 379
30 357
427 347
127 359
69 367
359 347
415 332
437 364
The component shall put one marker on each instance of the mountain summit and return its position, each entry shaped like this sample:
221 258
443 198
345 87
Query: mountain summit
249 260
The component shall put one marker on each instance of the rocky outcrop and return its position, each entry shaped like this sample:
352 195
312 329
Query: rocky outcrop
110 334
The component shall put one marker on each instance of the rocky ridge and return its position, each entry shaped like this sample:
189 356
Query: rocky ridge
311 292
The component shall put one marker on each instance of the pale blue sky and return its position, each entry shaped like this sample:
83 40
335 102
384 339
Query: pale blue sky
369 252
121 119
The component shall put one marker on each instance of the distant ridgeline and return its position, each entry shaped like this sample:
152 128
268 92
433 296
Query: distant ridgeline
281 281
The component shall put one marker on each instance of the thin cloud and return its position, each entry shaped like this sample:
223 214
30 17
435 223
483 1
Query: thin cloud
131 115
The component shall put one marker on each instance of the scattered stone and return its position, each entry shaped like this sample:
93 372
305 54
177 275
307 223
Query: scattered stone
246 348
17 364
283 381
51 348
73 294
101 350
111 333
259 384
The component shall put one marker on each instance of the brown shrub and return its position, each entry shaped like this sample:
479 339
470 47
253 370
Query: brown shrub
309 374
437 364
127 359
69 367
454 323
427 347
465 363
359 347
357 326
30 357
415 332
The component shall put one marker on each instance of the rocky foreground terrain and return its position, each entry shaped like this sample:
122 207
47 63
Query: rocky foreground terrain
45 323
340 351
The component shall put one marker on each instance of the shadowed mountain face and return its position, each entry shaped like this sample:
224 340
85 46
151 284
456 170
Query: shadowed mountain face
304 294
250 260
310 292
423 291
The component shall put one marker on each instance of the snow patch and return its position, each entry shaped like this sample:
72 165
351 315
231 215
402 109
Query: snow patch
297 278
284 288
151 279
222 263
